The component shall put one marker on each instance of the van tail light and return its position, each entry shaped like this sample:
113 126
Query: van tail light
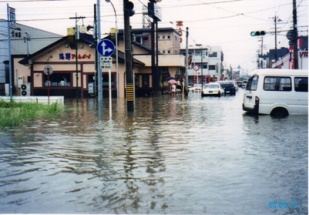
257 101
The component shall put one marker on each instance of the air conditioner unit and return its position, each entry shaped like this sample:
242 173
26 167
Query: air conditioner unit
25 89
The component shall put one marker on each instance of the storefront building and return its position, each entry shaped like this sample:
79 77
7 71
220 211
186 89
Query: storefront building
72 71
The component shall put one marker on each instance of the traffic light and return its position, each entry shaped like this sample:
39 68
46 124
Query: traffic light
130 8
257 33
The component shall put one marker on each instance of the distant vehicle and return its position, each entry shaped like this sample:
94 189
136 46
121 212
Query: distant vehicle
278 92
190 85
196 87
239 83
228 87
212 89
244 83
235 84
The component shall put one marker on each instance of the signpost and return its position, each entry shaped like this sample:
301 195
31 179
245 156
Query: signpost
48 70
106 48
196 68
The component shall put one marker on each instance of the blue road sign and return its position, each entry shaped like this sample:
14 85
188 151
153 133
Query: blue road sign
106 48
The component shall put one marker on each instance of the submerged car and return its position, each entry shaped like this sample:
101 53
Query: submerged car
212 89
228 87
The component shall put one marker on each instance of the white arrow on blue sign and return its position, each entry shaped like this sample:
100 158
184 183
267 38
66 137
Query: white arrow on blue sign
106 48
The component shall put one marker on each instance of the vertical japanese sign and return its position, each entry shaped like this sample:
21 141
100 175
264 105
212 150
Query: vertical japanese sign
179 24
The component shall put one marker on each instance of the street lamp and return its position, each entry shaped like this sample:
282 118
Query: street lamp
116 46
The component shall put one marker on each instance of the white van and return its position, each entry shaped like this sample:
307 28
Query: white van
278 92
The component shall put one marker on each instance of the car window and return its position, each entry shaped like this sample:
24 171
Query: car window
277 83
252 83
301 84
211 86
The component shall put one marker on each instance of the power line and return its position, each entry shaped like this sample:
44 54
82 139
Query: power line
8 1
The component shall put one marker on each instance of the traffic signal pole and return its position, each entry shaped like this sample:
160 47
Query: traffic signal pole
154 50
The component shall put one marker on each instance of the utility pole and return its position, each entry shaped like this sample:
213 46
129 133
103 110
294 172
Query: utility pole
76 49
99 70
260 59
130 92
295 44
95 36
11 20
276 20
186 60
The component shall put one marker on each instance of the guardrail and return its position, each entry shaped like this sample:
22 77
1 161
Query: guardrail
35 99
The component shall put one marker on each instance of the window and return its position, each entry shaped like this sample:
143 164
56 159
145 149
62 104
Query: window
301 84
252 83
58 79
213 54
145 80
136 81
277 84
205 65
212 67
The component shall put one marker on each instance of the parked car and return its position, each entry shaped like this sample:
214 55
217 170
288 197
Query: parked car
235 84
212 89
190 86
244 83
239 83
228 87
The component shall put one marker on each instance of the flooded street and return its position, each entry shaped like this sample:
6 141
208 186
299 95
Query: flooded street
173 155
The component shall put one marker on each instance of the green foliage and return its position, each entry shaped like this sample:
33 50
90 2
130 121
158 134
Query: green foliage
14 114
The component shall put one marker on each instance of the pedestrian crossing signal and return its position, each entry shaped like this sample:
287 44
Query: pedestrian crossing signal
257 33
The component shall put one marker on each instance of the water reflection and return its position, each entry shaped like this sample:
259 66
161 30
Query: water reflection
197 156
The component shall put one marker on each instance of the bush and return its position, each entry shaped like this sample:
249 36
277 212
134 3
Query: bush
14 114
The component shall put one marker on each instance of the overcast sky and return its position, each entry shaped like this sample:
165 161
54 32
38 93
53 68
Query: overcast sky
225 23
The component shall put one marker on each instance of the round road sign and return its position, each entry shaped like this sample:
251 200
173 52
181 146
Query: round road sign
106 48
196 67
48 70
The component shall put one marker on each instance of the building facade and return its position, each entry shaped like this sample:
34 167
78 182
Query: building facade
66 67
205 64
286 62
24 41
